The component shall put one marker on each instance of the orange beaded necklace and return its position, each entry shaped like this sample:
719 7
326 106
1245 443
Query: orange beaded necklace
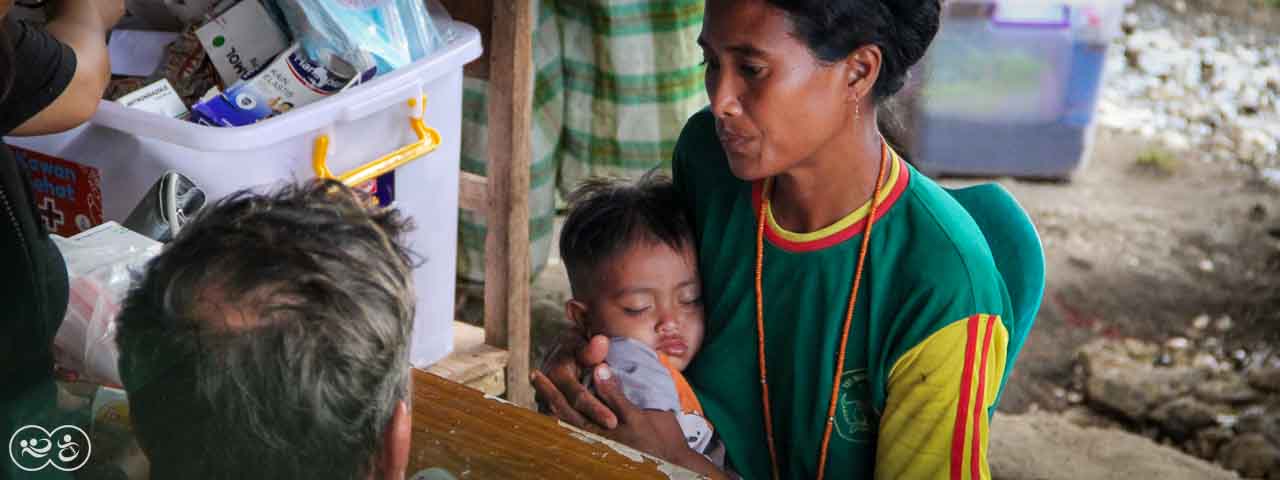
848 318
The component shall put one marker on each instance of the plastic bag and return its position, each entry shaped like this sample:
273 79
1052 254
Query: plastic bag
427 26
381 34
100 264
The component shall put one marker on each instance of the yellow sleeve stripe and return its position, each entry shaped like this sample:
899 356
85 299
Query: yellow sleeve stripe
935 423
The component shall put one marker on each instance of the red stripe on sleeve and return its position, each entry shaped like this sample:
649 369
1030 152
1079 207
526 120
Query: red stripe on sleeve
980 401
962 410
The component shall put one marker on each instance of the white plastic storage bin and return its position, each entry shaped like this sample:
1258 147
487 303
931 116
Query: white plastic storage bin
987 68
131 148
1009 87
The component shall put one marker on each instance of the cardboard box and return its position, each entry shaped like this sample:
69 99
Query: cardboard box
68 194
242 40
157 97
291 81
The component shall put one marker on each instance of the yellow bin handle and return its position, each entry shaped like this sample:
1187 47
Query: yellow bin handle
428 140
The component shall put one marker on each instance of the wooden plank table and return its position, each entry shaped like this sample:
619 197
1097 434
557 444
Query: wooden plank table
473 435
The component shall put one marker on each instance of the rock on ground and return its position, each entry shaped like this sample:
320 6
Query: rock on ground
1260 421
1127 386
1230 390
1208 441
1265 378
1184 416
1251 455
1192 82
1048 447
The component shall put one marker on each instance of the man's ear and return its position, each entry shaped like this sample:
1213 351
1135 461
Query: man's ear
394 458
577 313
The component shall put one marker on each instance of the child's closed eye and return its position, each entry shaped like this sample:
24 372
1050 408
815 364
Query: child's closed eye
635 311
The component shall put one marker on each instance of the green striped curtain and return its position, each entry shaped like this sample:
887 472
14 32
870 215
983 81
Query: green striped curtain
614 82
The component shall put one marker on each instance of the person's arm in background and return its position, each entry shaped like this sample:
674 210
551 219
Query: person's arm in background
82 25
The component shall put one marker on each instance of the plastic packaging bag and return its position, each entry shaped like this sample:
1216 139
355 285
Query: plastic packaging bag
100 264
381 34
187 67
427 26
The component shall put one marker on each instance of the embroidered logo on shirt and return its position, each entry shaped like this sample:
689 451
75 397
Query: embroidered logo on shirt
854 421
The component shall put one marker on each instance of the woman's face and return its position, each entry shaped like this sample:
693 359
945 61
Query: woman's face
775 104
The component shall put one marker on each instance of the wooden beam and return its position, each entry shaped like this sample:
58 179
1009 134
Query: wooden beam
473 193
473 363
510 96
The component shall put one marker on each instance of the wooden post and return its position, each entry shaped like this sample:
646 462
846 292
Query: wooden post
510 96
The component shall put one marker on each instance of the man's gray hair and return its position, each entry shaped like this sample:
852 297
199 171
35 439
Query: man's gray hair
270 339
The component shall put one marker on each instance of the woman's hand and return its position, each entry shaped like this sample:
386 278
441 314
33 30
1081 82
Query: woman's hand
651 431
559 387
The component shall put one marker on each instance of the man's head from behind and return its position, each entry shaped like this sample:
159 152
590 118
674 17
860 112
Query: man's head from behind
270 340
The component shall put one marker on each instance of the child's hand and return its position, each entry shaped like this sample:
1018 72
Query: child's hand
560 380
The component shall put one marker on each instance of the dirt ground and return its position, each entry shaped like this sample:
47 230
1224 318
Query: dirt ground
1139 251
1043 446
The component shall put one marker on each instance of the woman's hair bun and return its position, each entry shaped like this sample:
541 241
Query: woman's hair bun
915 24
903 29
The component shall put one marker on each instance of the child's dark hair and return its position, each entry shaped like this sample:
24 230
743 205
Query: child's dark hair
903 29
607 216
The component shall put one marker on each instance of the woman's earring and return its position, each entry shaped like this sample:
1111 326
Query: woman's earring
857 109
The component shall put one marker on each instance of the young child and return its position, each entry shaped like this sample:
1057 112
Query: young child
629 251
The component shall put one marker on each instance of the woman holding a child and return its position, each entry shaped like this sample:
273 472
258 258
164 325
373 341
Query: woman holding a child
855 323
